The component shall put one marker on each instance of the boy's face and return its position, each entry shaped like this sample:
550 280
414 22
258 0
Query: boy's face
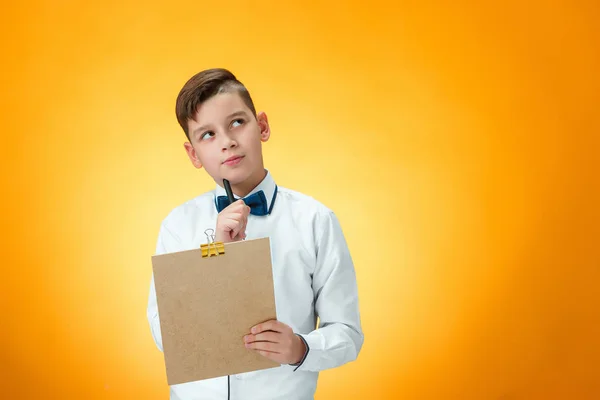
225 139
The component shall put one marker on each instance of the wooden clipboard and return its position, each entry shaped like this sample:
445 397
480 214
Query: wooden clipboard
208 299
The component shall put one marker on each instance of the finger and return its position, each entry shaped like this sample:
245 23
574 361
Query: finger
274 337
244 223
271 356
235 226
235 205
231 221
233 218
226 224
231 230
264 346
236 215
243 229
271 325
241 210
241 207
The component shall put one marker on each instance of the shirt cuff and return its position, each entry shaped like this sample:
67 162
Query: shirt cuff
299 364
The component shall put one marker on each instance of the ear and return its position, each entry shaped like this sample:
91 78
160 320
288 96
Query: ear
263 123
191 152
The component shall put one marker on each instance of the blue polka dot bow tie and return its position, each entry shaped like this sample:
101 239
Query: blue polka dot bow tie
256 201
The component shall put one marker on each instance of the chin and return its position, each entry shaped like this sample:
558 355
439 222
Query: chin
236 176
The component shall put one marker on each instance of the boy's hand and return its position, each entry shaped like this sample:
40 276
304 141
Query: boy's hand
231 222
276 341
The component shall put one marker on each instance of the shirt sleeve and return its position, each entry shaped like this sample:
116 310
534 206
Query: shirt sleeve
339 337
165 237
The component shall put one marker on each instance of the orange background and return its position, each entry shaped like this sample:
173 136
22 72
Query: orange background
457 143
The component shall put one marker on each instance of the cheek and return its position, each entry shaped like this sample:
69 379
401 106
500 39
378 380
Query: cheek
206 156
253 149
252 141
210 160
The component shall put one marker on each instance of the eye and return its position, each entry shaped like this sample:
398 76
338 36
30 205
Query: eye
206 135
238 121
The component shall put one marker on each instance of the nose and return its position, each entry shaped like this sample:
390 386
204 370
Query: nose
228 141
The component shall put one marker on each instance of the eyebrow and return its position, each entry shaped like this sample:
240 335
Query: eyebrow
234 114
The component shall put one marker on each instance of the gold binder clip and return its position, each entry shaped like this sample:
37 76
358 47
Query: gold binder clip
212 248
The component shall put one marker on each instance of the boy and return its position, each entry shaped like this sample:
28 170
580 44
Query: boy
313 272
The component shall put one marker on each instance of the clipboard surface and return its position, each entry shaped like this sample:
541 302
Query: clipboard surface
207 304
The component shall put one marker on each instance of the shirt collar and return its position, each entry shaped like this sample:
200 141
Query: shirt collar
267 185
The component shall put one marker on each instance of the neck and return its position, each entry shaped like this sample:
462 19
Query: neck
243 188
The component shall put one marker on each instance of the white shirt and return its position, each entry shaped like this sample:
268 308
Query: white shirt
313 277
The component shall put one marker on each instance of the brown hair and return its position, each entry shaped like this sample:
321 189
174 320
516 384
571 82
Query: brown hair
202 87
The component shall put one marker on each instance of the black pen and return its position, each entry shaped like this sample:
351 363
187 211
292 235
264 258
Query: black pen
228 190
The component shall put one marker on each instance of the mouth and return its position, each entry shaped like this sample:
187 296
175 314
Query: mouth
233 160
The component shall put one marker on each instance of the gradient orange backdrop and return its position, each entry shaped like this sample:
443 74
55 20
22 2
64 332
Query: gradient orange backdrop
457 142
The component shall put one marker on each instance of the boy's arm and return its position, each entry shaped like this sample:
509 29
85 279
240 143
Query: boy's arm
339 338
164 236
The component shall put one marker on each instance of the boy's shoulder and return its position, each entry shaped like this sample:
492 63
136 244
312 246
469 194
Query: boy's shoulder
298 202
309 212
